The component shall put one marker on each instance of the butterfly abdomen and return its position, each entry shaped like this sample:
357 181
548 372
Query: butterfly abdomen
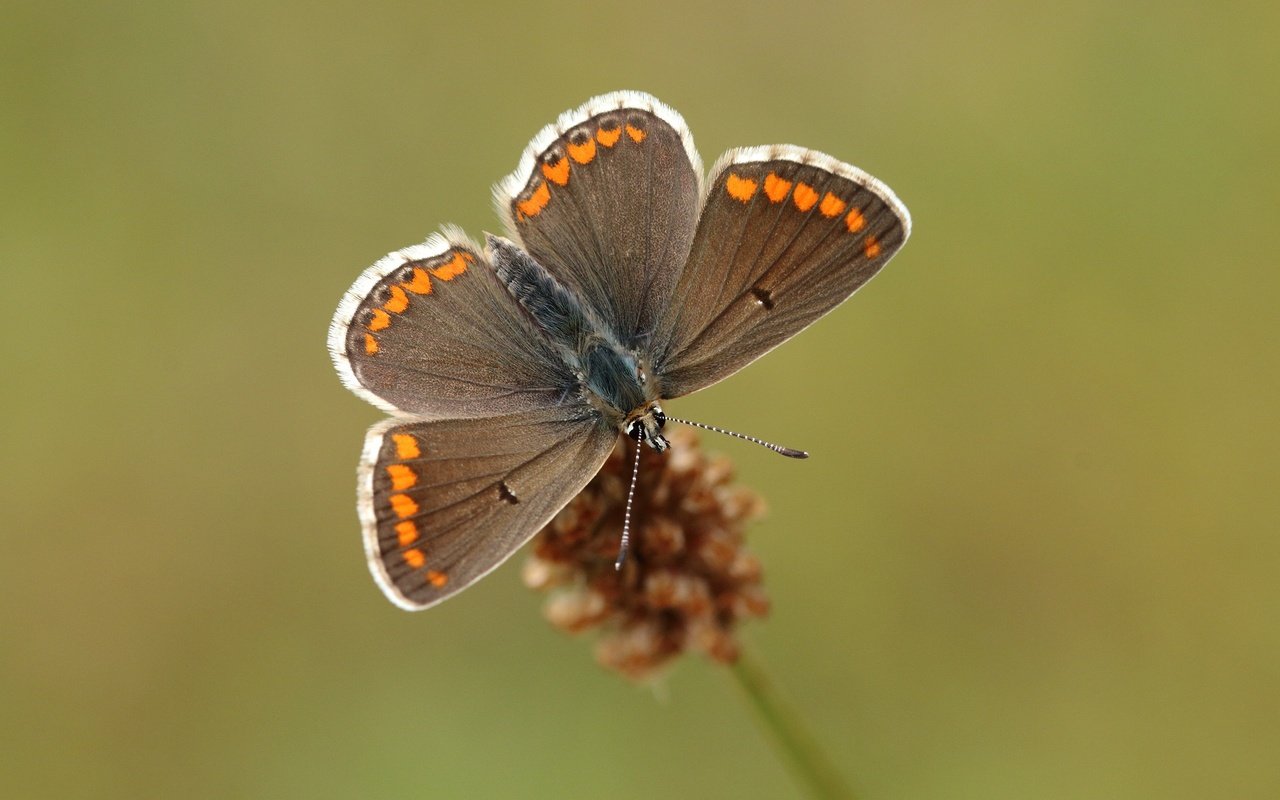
609 375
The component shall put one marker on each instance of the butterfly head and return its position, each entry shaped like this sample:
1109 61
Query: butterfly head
645 424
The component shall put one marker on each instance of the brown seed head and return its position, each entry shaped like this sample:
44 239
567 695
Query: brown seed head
688 579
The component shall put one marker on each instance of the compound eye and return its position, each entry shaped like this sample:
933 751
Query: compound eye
659 416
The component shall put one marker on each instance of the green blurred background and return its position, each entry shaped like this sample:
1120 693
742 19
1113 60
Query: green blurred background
1035 553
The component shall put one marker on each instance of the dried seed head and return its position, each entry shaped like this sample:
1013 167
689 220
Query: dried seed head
688 580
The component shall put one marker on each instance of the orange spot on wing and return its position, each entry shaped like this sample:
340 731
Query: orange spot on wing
437 579
403 505
871 247
741 189
370 344
406 533
452 269
831 205
804 196
636 134
398 301
536 202
558 172
608 138
414 558
469 258
582 153
381 320
421 284
776 187
854 221
402 477
406 446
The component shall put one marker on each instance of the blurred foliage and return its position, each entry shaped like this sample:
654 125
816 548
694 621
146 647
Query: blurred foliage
1034 554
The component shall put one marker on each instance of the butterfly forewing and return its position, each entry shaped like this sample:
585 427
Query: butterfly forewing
430 330
785 236
444 502
607 200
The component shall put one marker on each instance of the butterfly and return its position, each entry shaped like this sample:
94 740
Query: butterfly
625 279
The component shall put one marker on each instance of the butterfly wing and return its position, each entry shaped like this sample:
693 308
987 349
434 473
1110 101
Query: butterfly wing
430 330
607 200
442 503
785 235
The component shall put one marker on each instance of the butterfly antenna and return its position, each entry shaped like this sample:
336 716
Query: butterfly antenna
626 517
777 448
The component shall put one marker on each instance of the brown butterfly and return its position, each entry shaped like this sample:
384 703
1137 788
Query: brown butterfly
625 280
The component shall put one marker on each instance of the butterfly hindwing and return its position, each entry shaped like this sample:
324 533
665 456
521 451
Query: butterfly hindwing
430 330
607 200
444 502
785 235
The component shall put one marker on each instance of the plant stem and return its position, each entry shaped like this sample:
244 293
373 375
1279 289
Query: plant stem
788 734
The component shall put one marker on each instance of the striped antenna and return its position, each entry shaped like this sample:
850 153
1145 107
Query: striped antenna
777 448
631 493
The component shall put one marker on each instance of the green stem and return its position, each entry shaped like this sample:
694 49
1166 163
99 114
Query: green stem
788 734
